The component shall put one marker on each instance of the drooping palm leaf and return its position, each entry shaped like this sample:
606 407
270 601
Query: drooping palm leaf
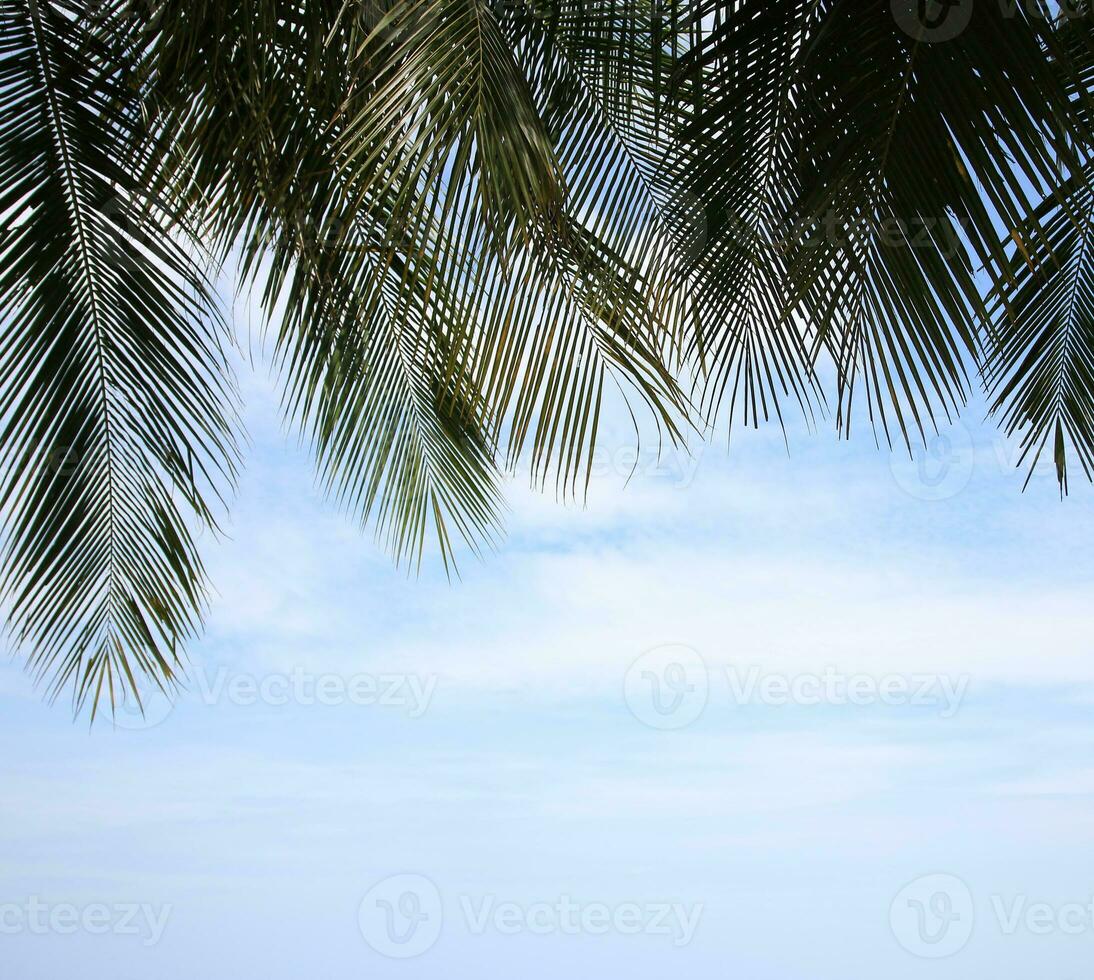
536 211
453 194
111 361
1040 369
466 220
892 159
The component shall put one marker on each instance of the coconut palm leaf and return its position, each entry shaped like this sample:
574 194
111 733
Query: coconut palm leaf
1040 369
508 235
116 396
466 221
891 160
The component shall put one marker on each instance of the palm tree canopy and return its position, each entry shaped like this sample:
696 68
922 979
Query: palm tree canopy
466 220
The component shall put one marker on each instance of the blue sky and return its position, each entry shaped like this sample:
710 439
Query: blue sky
519 777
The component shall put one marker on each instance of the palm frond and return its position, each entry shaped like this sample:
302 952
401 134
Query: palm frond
462 173
468 221
893 160
111 355
1040 368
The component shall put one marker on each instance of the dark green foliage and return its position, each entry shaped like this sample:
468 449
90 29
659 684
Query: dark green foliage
465 219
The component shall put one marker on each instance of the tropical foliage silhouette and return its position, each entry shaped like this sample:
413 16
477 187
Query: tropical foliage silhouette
466 220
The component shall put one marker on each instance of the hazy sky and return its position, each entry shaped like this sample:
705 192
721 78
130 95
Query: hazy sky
821 715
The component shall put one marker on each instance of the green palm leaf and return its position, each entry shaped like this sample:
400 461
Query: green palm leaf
112 363
468 221
873 167
1040 369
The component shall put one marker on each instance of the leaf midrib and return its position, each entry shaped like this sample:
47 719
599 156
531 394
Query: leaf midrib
72 186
